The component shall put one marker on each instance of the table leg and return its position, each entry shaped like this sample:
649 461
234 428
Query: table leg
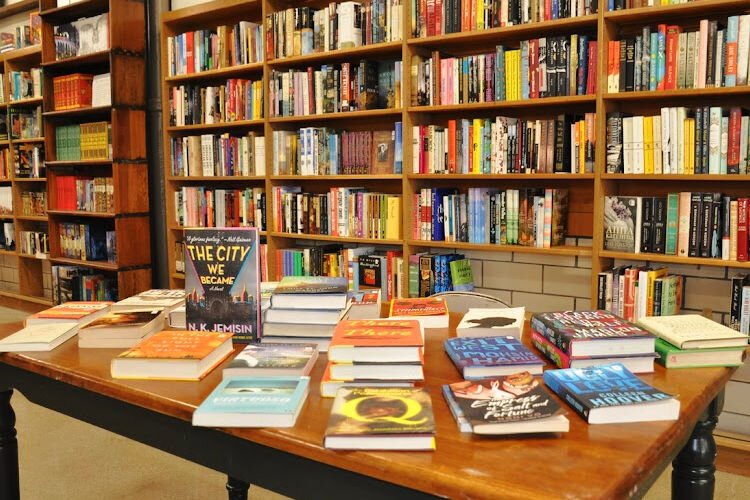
693 469
237 488
9 487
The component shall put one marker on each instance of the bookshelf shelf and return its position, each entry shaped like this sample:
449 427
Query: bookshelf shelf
6 216
73 63
482 177
692 94
26 298
216 126
481 38
8 252
18 7
177 276
556 250
82 213
501 105
5 143
207 13
229 72
678 177
174 227
673 259
30 179
228 178
28 140
85 111
36 218
666 12
93 264
338 239
73 11
24 53
346 115
34 101
326 178
375 50
78 163
31 257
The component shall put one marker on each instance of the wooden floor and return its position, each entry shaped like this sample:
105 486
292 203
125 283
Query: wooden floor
733 461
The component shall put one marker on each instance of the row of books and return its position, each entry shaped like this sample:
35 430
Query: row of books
25 122
92 242
71 283
8 236
81 37
706 140
34 243
29 160
25 84
505 145
205 207
325 151
238 99
84 141
668 58
453 16
24 35
613 5
335 88
343 25
697 224
543 67
84 193
6 200
431 273
216 48
633 291
218 155
528 217
33 202
343 211
81 90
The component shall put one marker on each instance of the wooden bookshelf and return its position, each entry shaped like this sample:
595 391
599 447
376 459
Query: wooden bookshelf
124 60
587 190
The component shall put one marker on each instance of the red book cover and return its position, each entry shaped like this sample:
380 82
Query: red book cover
631 276
534 68
452 146
438 17
430 17
592 73
673 33
377 333
662 28
422 306
189 59
733 150
742 206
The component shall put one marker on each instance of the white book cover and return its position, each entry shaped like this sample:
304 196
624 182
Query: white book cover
680 139
665 138
260 156
480 322
744 130
637 147
638 222
627 143
657 144
743 50
714 140
724 146
702 55
674 140
41 337
693 331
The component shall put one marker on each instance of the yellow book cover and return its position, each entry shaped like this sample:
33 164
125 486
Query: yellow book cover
393 221
476 153
690 146
480 14
652 275
508 76
516 75
648 144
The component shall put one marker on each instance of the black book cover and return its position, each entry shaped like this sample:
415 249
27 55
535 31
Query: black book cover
426 276
601 296
629 65
706 225
562 143
716 223
647 215
623 65
660 225
735 308
696 211
563 47
711 56
658 286
726 222
614 144
552 59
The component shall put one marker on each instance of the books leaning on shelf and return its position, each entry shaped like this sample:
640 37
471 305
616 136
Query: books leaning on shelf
29 160
343 212
480 358
272 360
25 84
334 88
381 418
680 140
455 17
173 355
157 298
90 242
693 331
40 337
34 243
85 141
633 291
25 122
253 402
198 206
611 394
324 151
431 312
343 25
527 217
33 202
214 48
78 283
88 194
24 35
218 155
506 145
514 404
669 57
487 322
82 37
121 329
686 224
554 66
236 100
73 312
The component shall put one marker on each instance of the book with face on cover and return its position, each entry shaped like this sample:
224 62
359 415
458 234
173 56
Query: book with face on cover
431 312
78 313
693 331
41 337
514 404
381 418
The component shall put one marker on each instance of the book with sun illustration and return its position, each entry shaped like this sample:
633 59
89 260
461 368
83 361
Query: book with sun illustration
222 285
492 322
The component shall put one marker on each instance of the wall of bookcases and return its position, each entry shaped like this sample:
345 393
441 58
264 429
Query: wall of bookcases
586 190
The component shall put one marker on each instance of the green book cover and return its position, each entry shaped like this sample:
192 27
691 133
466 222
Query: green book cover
673 201
461 275
672 357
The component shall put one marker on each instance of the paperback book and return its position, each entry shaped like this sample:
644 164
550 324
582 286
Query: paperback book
164 299
329 386
76 312
377 341
478 358
43 337
688 331
310 292
273 360
673 357
431 312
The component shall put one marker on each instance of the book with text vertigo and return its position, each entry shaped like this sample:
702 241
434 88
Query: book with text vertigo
222 281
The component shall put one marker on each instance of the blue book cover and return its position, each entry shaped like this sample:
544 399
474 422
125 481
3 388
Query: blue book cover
524 69
237 399
398 155
732 34
505 352
603 386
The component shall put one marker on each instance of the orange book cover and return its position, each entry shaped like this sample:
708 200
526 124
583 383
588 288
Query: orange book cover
423 306
377 333
72 310
177 344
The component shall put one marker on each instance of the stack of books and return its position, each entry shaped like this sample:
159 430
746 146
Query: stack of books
581 339
374 352
692 341
305 309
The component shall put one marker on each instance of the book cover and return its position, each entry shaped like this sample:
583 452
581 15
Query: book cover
619 223
462 277
122 321
480 322
177 345
261 358
693 331
421 306
222 281
304 285
38 337
72 310
673 357
489 356
377 333
154 299
611 387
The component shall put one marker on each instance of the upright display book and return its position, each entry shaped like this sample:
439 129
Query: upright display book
592 333
483 357
222 281
381 418
377 340
174 355
72 312
310 292
515 404
611 394
273 360
152 299
43 337
672 357
431 312
253 402
492 322
693 331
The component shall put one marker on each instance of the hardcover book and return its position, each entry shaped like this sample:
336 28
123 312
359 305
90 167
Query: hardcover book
273 360
43 337
431 312
377 340
123 325
387 418
310 292
72 311
222 281
687 331
484 357
611 394
672 357
329 386
619 223
253 402
592 333
515 404
492 322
